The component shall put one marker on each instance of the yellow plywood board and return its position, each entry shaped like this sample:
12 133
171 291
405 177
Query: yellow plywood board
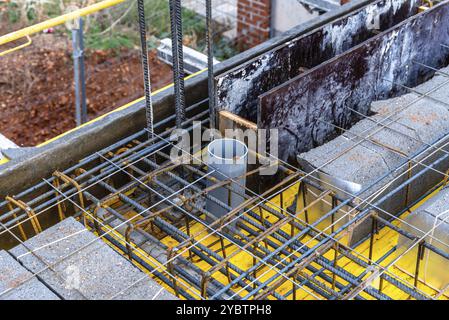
384 241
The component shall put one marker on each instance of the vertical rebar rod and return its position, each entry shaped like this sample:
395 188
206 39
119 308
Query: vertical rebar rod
210 63
334 274
178 60
304 200
419 257
146 68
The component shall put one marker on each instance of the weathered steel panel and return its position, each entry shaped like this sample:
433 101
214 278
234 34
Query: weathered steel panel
239 89
371 71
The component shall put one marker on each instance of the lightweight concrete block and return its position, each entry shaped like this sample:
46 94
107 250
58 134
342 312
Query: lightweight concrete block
14 276
429 221
86 267
399 128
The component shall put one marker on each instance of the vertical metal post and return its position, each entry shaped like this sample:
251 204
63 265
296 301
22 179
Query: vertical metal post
371 241
420 256
78 67
304 200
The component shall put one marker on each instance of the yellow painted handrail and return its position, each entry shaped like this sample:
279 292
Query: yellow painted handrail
23 45
26 32
58 20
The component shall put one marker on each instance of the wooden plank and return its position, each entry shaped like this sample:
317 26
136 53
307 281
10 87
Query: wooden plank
229 120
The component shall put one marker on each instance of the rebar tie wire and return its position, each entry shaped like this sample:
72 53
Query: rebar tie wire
146 68
178 60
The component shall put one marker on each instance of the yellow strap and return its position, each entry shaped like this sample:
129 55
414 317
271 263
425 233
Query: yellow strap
23 45
57 21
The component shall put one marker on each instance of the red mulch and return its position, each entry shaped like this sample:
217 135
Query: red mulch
37 91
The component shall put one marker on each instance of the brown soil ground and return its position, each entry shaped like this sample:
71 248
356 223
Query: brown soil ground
37 91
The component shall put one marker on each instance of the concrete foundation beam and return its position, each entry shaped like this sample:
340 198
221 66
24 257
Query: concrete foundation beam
92 271
12 273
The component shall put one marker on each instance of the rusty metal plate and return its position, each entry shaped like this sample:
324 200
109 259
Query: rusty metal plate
238 90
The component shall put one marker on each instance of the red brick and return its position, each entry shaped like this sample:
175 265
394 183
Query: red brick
253 22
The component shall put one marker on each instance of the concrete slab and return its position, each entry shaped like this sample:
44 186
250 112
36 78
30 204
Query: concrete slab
88 267
12 274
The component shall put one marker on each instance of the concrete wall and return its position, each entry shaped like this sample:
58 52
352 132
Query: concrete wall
287 14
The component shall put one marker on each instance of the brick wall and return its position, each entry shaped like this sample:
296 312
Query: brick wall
253 22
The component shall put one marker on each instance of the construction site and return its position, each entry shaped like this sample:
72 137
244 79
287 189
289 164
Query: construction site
243 160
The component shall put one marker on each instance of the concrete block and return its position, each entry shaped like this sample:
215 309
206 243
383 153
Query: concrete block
87 267
194 61
13 274
430 219
401 127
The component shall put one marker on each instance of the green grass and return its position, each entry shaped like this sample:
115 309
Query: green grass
114 42
13 12
194 27
125 33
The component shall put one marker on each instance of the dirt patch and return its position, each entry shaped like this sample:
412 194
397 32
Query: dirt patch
37 91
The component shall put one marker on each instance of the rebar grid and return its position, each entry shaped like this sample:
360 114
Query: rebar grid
151 208
274 251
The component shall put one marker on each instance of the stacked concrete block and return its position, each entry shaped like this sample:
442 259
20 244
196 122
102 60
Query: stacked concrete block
17 283
82 266
430 222
399 128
